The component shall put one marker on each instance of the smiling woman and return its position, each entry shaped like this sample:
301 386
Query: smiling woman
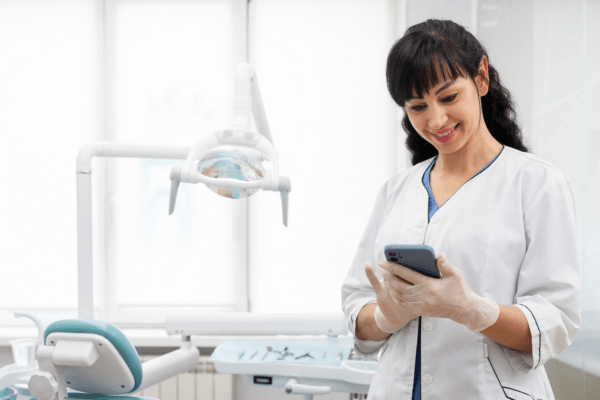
502 223
458 75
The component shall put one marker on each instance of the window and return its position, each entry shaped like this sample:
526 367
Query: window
161 72
171 66
48 110
332 120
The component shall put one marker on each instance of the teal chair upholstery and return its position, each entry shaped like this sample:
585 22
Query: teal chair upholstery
110 332
116 338
8 394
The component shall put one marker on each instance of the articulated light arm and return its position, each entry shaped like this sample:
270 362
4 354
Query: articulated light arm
84 206
248 100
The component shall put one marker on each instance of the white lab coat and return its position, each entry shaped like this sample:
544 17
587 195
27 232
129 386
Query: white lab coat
511 231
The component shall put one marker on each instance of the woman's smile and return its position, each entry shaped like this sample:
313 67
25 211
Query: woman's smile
446 136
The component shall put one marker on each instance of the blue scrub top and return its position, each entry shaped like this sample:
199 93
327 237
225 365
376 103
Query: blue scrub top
432 210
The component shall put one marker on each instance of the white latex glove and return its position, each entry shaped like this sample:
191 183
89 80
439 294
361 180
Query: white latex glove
390 315
448 297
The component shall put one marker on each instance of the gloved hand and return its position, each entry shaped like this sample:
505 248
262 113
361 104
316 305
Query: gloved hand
390 314
448 297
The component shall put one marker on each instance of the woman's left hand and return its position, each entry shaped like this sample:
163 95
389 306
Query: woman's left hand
447 297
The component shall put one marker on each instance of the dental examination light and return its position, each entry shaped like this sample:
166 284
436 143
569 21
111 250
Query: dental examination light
231 161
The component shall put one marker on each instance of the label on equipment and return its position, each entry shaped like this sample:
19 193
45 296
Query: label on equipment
263 380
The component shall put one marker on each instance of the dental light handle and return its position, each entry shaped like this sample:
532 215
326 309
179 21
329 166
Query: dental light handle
175 179
270 182
293 387
285 186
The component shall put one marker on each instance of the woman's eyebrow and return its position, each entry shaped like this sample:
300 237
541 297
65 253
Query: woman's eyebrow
437 91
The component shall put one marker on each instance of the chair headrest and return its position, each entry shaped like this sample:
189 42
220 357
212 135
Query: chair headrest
104 329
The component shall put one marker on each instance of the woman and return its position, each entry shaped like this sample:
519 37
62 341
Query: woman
501 221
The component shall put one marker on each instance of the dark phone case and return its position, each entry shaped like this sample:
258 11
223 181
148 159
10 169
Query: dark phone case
420 258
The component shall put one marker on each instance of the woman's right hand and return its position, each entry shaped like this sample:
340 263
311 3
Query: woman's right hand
390 314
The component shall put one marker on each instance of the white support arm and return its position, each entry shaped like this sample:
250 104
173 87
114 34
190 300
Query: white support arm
248 100
84 205
171 364
127 150
258 109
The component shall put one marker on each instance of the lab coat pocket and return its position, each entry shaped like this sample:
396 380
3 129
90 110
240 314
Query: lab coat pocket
521 394
496 388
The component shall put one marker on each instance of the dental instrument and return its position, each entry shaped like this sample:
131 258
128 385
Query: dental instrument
253 354
269 349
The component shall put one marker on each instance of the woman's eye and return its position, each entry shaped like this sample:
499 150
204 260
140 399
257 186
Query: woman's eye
449 98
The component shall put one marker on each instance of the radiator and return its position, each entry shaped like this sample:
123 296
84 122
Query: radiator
201 383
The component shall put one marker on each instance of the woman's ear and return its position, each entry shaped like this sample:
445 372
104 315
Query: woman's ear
483 84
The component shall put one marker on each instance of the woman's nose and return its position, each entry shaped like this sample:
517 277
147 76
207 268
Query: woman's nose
437 117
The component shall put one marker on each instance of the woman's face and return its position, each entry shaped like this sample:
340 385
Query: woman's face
448 116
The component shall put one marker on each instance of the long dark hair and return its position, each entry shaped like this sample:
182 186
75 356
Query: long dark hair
446 47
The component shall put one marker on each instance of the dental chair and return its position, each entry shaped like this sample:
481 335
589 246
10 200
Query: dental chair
96 361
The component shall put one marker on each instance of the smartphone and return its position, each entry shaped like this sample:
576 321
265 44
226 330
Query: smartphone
418 257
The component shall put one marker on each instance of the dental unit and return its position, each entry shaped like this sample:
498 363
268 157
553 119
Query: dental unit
80 357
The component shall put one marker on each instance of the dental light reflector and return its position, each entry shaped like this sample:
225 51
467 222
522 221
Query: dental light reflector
230 161
233 164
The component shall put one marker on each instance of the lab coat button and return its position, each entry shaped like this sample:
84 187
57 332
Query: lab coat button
428 326
427 379
434 219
